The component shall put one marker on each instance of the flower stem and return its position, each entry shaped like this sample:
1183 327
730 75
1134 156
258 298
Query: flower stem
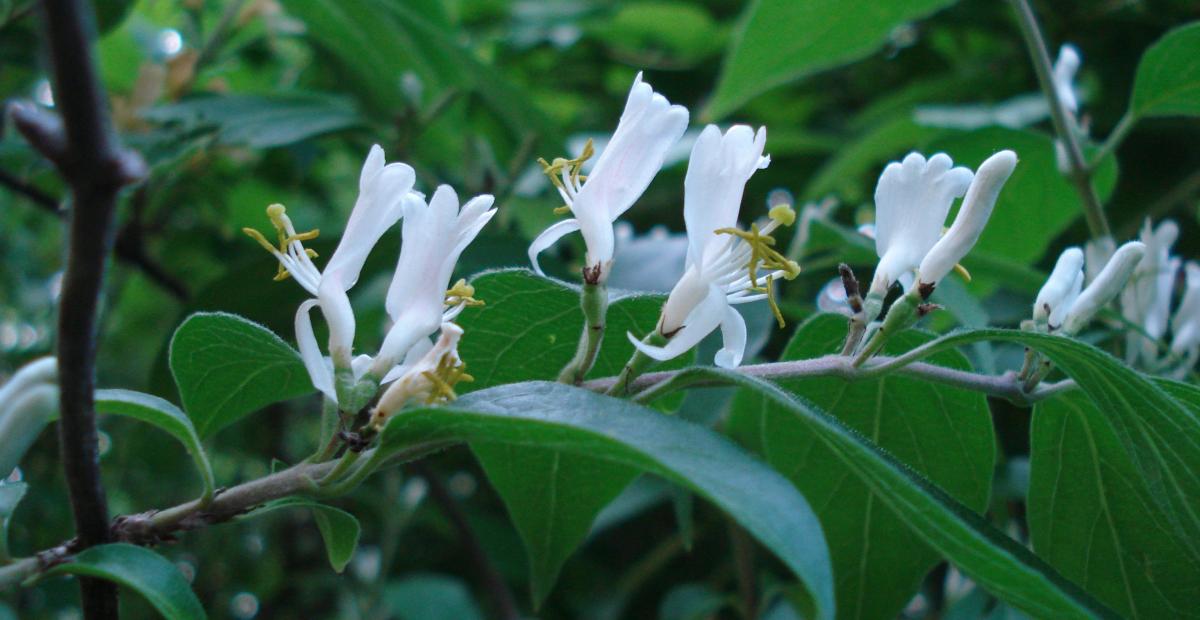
1115 138
1063 119
637 364
594 302
903 313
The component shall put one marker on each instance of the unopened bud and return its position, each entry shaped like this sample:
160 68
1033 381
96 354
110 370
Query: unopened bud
1105 287
1061 289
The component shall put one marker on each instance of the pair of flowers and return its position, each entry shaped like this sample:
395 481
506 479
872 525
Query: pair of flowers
434 233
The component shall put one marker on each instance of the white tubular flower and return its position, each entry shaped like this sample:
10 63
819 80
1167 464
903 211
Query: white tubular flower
1105 287
1063 77
1146 302
972 217
380 192
912 200
1061 290
1097 252
1185 325
430 379
435 235
648 128
720 258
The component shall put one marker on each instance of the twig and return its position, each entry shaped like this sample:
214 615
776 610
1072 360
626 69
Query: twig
28 190
492 581
95 167
1063 119
1114 139
654 384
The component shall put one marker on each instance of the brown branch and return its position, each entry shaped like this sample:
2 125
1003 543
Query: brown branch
82 146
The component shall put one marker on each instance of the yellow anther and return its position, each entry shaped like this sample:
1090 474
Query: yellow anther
962 271
770 290
574 169
277 213
450 371
784 214
462 294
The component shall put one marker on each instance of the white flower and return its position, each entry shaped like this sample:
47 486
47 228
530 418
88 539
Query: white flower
381 190
1146 302
972 217
435 235
1107 285
716 275
647 129
429 378
1063 77
1185 325
1061 290
1098 252
912 200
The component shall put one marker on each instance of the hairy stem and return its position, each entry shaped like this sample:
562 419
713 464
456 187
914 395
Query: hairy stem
594 301
1063 119
637 364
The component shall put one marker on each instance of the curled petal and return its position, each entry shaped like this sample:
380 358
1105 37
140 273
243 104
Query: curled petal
733 333
549 237
310 352
704 318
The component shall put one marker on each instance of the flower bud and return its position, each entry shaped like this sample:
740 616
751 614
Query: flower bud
972 217
1107 285
1061 289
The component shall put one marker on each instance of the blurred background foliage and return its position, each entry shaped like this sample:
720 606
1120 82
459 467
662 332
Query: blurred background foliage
236 105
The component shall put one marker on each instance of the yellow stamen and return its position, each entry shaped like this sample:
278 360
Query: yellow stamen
763 255
770 290
450 371
277 213
784 214
462 294
962 271
574 168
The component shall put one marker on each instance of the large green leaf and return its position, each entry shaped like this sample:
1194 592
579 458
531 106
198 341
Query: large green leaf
141 570
261 121
993 560
1168 77
943 433
166 416
552 496
10 495
780 41
1091 518
227 367
339 529
579 422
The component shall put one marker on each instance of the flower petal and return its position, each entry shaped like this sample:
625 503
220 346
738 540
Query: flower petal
733 333
704 318
310 352
549 237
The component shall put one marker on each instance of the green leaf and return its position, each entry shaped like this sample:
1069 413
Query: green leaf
141 570
993 560
579 422
339 529
10 495
943 433
1168 76
781 41
164 415
227 367
262 121
1090 517
430 597
553 497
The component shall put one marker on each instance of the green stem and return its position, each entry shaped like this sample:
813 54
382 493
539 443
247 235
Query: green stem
1114 140
637 364
348 459
594 302
901 316
1063 119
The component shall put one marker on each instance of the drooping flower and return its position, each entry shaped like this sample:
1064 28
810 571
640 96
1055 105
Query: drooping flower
1061 290
430 379
1105 288
912 199
723 263
434 236
1146 301
1185 325
972 217
382 189
649 126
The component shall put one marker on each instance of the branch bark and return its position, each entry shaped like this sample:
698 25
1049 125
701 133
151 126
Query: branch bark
81 144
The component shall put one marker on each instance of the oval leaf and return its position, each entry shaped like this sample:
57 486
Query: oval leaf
227 367
142 571
1168 77
166 416
339 529
576 421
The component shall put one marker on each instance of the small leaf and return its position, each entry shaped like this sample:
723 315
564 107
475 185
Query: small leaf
10 495
1168 77
142 571
339 529
227 367
261 121
608 430
781 41
164 415
430 597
